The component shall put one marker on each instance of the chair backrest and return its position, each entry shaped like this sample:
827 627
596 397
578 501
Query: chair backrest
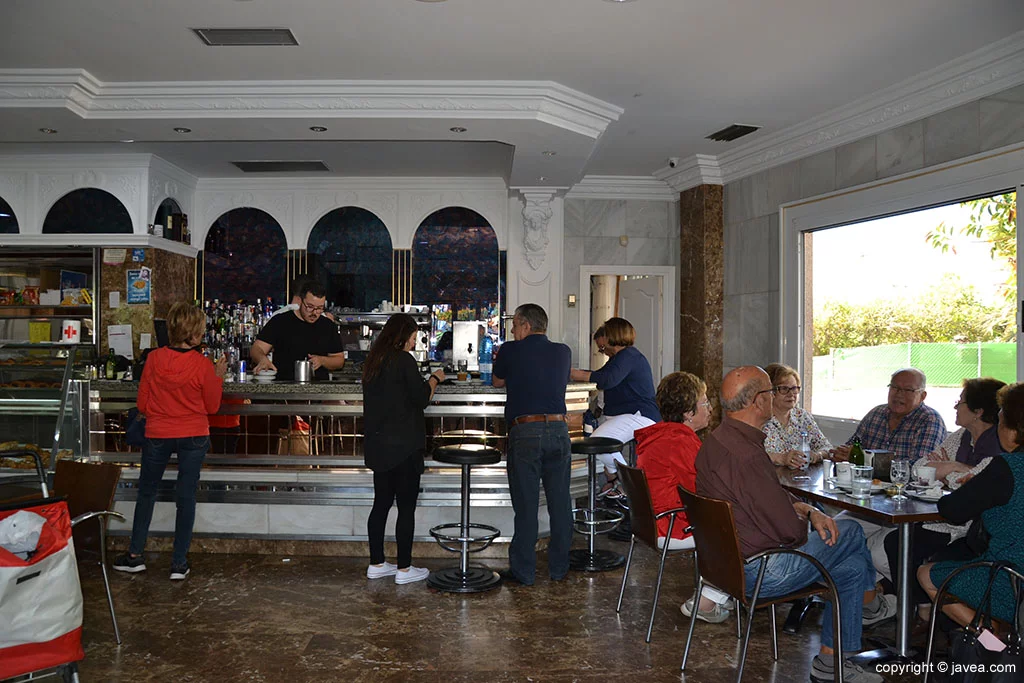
88 487
641 506
718 544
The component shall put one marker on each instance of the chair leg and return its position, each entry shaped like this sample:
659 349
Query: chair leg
739 620
625 574
750 620
106 580
657 587
775 637
693 616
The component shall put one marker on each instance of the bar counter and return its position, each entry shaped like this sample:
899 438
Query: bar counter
298 471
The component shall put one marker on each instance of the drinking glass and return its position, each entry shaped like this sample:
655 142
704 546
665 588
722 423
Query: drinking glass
899 473
860 484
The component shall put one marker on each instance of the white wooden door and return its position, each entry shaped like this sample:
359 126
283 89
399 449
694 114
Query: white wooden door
640 304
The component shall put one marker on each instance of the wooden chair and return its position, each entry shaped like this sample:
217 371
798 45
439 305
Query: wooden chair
89 489
645 529
718 555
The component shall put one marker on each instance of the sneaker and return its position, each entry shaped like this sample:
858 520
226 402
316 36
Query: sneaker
883 607
715 615
179 571
380 571
412 575
822 671
126 563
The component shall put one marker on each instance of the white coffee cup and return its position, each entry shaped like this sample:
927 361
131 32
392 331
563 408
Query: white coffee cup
925 474
844 473
70 331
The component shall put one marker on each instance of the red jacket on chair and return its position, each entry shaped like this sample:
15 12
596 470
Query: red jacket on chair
667 453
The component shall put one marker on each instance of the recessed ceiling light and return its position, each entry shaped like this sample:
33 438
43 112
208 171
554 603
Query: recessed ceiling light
48 131
542 178
457 129
618 0
127 140
549 153
638 94
182 130
317 129
431 0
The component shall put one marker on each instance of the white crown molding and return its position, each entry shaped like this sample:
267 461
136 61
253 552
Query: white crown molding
700 169
98 240
51 162
622 187
88 97
364 183
984 72
168 169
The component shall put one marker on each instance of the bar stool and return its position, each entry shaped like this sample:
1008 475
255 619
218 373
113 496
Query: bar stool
592 520
465 579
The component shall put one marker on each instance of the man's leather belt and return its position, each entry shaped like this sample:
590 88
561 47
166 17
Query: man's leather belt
523 419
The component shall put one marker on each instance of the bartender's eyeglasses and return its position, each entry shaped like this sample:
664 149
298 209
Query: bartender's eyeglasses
784 390
312 309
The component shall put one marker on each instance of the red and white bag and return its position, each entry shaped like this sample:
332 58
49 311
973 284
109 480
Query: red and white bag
40 598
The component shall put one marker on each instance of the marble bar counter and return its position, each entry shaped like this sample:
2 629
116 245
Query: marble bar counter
293 469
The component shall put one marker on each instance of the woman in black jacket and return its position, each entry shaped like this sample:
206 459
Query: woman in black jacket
394 396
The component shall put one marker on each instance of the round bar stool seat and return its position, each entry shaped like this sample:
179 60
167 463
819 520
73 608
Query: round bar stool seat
457 537
592 520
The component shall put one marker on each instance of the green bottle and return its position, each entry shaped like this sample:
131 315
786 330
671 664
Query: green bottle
111 365
856 453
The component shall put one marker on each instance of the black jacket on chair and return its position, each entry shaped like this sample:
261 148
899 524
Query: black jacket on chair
393 424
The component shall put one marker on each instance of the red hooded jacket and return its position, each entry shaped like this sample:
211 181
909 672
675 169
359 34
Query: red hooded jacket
667 453
179 389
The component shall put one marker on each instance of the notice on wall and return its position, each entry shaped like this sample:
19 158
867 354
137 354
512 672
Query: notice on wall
113 257
145 340
139 286
138 255
115 298
119 338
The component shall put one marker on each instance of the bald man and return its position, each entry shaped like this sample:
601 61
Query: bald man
733 465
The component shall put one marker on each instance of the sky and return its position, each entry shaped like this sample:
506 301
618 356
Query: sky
890 258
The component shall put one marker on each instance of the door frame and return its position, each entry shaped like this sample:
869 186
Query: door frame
668 308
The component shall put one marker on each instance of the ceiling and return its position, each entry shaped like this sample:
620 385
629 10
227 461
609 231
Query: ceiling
612 88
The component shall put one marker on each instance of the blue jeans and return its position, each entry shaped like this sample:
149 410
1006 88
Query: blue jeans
191 451
538 452
849 563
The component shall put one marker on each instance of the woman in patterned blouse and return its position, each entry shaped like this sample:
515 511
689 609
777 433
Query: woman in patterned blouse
784 431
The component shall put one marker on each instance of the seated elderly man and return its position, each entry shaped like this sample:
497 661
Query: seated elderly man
733 465
904 424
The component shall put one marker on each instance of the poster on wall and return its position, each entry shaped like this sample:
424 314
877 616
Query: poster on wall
139 289
74 288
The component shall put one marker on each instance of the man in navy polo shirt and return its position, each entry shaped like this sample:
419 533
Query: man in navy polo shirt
535 372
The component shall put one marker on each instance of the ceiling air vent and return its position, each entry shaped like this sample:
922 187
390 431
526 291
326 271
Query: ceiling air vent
281 166
730 133
246 36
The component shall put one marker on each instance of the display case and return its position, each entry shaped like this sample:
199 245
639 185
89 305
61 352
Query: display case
46 295
44 392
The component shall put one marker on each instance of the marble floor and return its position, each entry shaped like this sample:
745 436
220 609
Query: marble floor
295 619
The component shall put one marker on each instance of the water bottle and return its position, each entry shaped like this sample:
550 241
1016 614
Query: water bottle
484 359
805 448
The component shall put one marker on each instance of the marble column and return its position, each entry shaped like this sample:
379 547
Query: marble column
701 278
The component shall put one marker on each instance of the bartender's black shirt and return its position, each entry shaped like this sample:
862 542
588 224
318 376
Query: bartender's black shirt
293 339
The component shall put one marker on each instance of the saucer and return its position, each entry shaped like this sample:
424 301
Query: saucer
265 378
927 496
847 486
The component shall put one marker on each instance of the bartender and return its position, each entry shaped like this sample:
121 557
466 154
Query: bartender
301 334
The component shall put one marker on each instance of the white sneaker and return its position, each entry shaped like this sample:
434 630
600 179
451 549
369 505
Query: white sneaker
885 609
412 575
380 571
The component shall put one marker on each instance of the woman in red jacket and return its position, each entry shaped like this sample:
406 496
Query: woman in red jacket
179 389
667 453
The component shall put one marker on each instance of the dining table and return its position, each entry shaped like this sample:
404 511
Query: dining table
813 486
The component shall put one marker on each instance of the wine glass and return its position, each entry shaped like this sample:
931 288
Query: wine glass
899 473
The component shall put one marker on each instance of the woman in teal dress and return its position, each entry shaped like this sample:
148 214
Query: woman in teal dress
997 494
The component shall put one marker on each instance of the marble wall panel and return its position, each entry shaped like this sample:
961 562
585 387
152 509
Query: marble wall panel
648 218
1001 122
232 518
747 260
856 163
311 520
783 186
573 221
647 251
818 174
604 217
952 134
603 251
900 150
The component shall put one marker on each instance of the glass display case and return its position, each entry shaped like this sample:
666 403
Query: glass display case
45 295
44 390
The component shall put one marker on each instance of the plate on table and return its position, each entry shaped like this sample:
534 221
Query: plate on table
265 375
846 486
914 486
927 495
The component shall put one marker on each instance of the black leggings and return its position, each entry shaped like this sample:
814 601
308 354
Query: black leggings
926 544
401 484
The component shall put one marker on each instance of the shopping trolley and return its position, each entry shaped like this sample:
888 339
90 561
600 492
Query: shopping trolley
40 595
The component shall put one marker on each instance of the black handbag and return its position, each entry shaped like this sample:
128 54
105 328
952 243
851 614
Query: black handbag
972 662
135 428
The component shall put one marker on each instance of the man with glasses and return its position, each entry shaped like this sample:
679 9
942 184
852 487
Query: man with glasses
733 465
302 334
904 424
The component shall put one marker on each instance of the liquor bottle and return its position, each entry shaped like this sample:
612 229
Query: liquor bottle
111 366
856 453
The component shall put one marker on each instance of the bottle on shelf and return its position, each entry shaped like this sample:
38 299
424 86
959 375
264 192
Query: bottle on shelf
111 365
856 453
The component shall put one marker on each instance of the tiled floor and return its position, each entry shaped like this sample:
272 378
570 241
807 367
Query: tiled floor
276 619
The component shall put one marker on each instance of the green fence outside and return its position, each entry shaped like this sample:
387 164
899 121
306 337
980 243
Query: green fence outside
945 364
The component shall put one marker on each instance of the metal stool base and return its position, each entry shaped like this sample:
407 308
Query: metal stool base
583 560
475 580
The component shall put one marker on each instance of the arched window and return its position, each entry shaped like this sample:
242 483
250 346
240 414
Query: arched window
88 211
168 207
350 253
245 258
8 221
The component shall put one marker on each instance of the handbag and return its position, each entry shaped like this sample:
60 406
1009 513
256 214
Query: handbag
135 428
978 664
